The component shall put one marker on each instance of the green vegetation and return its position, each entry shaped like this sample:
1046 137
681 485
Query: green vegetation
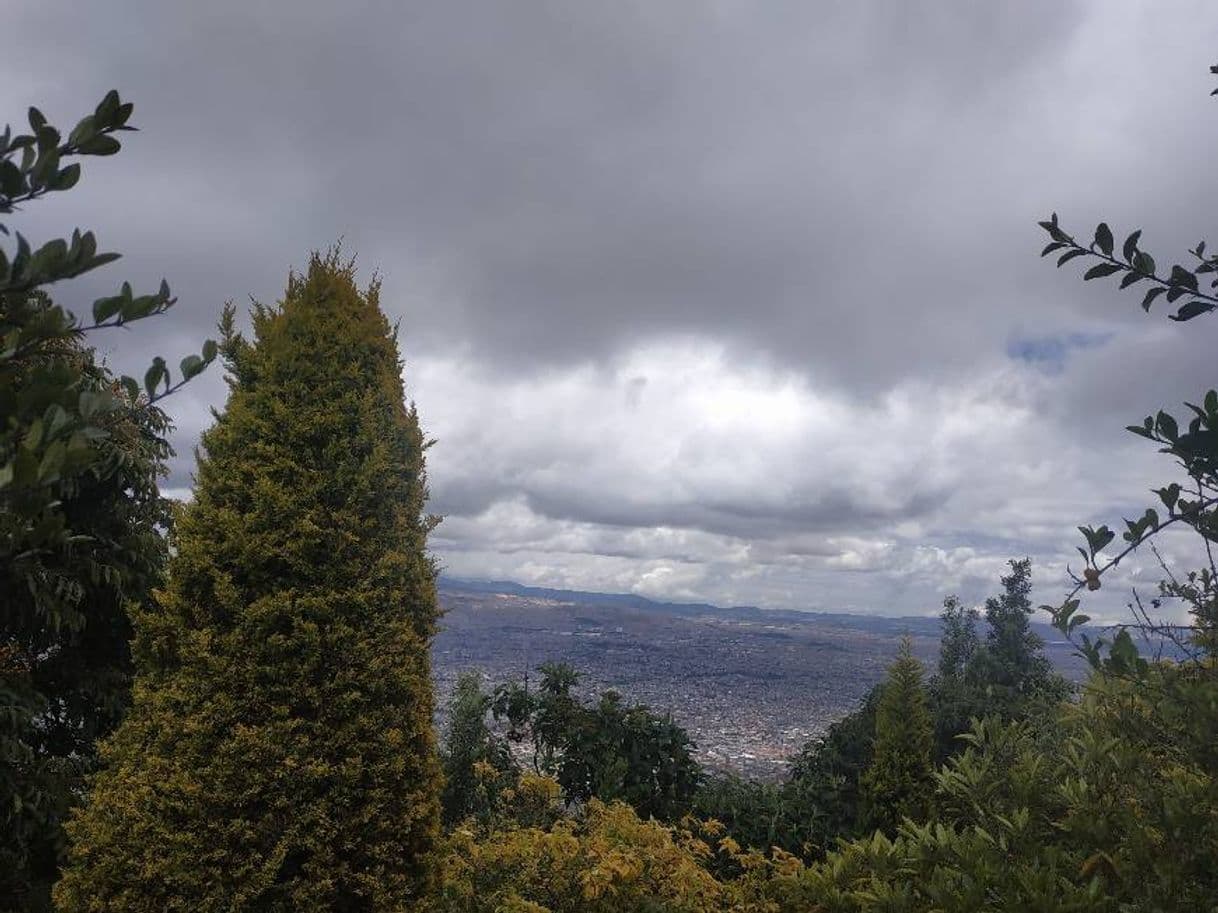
607 750
477 763
279 751
896 785
846 784
80 455
1082 816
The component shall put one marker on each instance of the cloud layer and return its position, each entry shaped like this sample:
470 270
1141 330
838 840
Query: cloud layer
724 301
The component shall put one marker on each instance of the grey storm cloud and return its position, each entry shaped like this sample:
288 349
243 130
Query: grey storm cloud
730 300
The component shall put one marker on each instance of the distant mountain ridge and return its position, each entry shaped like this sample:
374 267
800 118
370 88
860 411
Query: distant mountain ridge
927 625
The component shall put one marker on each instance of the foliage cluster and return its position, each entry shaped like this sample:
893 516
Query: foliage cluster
849 781
477 762
81 518
605 749
1076 816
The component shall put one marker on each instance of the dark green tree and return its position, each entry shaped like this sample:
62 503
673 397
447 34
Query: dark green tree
477 763
1013 659
955 697
609 750
898 784
279 753
626 752
80 514
831 767
958 642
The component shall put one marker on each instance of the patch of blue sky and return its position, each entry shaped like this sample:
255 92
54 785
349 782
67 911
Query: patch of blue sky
1050 353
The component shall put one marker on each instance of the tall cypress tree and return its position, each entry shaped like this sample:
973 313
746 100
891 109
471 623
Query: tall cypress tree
279 754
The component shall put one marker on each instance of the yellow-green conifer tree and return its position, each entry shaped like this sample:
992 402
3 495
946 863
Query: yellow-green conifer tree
279 754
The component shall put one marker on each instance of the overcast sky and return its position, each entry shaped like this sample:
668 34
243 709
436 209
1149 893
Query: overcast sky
728 301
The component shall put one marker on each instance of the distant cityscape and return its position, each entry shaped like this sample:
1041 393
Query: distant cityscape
750 685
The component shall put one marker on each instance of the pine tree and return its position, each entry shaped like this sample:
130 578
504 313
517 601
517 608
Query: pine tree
897 784
1013 657
279 754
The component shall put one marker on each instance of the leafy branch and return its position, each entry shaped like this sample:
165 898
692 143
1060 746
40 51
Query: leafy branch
39 171
1136 265
1196 450
40 442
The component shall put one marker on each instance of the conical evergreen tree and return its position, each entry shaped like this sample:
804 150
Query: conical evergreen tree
279 754
898 783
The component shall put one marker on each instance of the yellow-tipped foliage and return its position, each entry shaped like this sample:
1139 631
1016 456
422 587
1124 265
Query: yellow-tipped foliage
279 754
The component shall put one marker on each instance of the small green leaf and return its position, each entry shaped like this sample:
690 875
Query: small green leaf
105 308
1055 232
1151 295
100 145
46 167
1169 495
67 178
106 111
33 435
51 463
191 366
11 180
1100 270
1191 310
1167 426
1181 276
47 138
1103 238
1131 246
1144 263
84 130
154 375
